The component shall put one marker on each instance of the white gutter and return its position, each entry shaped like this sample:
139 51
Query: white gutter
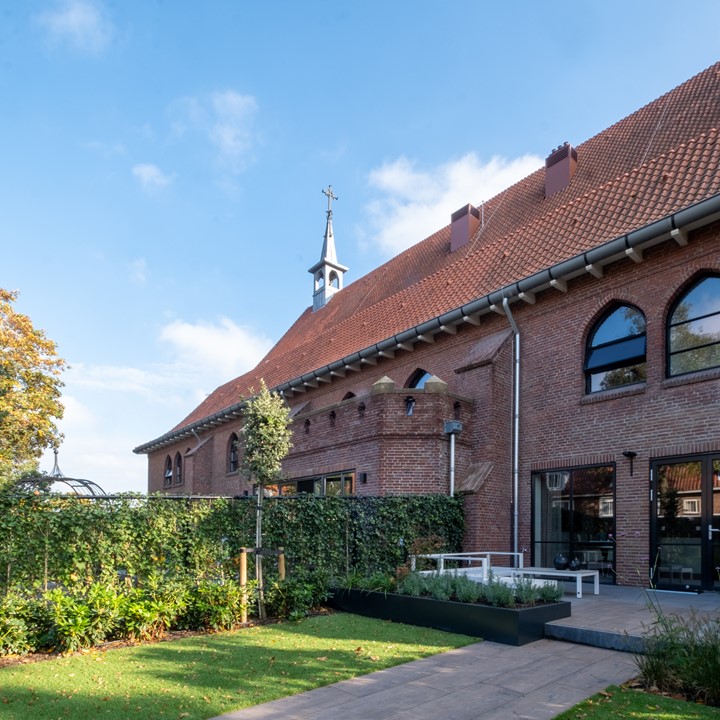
515 425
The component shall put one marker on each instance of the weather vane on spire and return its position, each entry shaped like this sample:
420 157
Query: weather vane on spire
330 197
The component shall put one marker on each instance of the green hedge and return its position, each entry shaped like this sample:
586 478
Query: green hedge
74 541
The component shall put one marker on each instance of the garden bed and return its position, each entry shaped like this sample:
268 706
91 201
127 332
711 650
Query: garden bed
510 626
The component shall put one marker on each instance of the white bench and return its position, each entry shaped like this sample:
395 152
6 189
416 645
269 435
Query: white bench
576 575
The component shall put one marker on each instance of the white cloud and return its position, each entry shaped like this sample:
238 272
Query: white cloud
80 23
221 350
151 176
231 128
111 409
415 201
225 118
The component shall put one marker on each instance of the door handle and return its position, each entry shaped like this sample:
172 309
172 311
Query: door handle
712 530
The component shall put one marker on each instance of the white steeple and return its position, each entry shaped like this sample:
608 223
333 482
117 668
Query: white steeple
328 273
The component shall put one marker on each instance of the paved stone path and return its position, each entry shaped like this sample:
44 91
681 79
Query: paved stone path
484 681
489 681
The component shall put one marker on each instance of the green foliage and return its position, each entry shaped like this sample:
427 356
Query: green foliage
22 622
71 541
551 592
216 605
149 610
682 655
441 586
466 590
133 567
267 435
496 593
458 587
296 597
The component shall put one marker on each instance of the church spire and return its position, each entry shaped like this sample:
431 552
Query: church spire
328 273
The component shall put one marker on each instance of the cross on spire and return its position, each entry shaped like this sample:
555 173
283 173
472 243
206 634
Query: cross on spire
330 197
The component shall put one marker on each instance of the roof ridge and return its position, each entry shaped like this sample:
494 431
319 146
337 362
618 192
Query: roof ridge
494 243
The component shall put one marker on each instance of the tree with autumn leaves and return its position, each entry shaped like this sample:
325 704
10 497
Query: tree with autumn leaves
29 392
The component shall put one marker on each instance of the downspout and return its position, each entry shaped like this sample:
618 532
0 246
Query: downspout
515 423
452 464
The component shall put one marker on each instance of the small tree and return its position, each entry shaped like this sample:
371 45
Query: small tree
267 443
29 391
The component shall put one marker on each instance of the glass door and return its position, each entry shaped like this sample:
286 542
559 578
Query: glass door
574 519
686 523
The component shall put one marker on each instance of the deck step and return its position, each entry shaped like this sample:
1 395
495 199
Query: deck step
597 638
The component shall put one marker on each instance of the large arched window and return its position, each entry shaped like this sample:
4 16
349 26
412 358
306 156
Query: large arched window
615 354
418 379
233 454
693 333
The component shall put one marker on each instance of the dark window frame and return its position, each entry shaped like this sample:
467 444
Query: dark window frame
178 477
670 325
233 454
626 352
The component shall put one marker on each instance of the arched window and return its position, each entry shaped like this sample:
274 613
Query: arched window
418 379
615 354
693 333
233 459
334 280
168 475
178 469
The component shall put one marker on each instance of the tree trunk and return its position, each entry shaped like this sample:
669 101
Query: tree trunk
258 553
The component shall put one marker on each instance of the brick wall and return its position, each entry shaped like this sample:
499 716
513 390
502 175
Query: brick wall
561 426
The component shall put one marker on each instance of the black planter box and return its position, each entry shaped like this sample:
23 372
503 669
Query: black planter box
511 626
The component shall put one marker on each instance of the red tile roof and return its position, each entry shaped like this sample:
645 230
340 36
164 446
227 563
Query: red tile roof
660 159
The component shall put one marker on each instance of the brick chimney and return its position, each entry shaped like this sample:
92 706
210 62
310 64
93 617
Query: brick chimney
560 167
463 224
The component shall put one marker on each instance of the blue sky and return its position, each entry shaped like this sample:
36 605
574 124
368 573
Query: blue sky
161 165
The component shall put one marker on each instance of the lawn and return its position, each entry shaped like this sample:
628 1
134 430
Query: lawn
203 676
618 702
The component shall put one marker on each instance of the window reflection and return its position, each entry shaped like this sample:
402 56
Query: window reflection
574 516
616 350
694 329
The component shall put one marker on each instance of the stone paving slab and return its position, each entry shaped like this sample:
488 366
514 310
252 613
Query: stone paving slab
489 681
479 682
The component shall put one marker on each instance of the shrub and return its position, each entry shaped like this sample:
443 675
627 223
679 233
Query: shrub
466 590
440 586
497 593
551 592
215 605
71 622
15 627
525 591
682 655
413 584
296 597
148 611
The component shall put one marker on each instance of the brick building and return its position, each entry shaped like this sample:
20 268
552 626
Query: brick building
553 354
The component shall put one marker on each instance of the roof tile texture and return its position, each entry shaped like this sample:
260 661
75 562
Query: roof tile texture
656 161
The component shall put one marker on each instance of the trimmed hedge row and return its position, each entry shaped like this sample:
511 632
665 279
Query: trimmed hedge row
74 541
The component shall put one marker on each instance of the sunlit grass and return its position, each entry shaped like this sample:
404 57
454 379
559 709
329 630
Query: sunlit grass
204 676
618 702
